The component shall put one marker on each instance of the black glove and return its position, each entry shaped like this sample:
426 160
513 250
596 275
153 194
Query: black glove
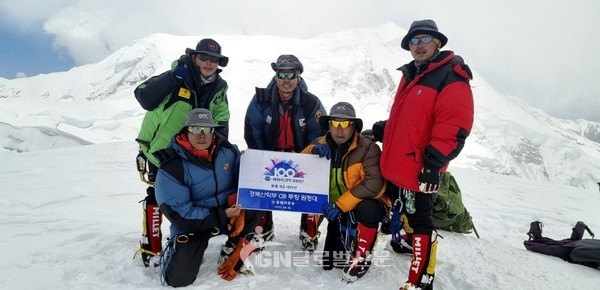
429 179
181 73
378 129
323 150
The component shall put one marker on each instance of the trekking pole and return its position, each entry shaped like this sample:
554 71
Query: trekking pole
475 230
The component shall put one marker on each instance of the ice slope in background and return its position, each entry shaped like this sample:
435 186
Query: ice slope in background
95 104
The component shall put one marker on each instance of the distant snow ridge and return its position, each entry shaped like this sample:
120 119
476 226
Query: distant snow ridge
592 132
125 69
95 102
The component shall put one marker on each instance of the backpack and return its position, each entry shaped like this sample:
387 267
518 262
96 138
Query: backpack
573 250
449 212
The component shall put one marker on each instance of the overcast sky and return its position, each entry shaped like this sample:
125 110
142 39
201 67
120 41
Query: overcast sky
542 51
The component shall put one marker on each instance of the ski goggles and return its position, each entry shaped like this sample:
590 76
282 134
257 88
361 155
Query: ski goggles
198 129
205 57
286 75
424 40
340 124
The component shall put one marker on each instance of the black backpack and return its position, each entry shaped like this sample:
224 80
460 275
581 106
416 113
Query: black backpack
573 250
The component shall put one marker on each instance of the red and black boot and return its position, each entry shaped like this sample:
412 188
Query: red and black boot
360 261
151 243
422 266
309 231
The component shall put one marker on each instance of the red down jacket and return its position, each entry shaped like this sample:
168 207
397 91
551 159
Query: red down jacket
431 117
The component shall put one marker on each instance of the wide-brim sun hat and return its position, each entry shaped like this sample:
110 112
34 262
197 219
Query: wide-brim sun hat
341 110
288 61
426 26
210 47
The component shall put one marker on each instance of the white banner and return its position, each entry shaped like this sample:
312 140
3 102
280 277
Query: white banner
273 180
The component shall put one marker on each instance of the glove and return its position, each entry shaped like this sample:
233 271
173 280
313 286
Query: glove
378 129
236 224
323 151
181 73
331 211
429 179
230 268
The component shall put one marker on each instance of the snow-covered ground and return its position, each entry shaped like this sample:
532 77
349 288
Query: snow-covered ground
70 219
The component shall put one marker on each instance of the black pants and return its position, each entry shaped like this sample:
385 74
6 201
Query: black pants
252 219
183 264
369 212
418 208
185 252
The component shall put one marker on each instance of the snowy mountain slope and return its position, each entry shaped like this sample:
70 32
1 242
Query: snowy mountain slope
358 66
70 219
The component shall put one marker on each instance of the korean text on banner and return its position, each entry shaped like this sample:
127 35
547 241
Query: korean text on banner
272 180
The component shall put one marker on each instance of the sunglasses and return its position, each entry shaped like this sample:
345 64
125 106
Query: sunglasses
424 40
197 130
205 57
338 124
284 75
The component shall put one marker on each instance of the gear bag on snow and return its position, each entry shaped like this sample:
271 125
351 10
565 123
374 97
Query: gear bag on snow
573 250
449 212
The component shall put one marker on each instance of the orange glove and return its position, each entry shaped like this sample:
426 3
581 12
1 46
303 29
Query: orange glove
236 224
232 266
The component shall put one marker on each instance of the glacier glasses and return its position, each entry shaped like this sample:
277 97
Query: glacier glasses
424 40
200 130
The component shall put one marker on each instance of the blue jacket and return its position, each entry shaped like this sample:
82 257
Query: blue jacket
198 203
261 126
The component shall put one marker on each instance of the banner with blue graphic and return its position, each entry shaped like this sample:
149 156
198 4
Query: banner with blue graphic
272 180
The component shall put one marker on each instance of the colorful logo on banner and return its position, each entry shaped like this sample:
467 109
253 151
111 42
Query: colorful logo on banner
283 169
283 181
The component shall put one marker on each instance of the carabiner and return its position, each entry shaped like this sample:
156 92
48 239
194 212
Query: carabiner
182 239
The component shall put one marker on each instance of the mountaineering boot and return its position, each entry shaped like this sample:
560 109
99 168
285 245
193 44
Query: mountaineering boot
227 250
404 245
151 243
425 284
265 224
360 261
356 268
309 235
401 241
309 243
238 258
422 266
268 227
